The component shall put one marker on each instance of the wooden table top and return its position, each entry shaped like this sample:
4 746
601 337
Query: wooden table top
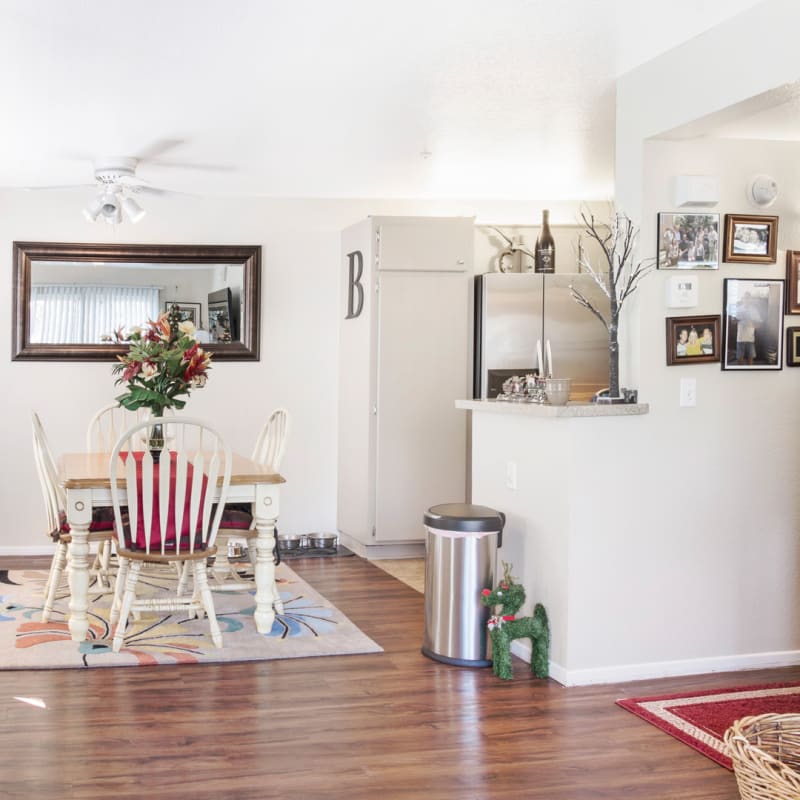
91 471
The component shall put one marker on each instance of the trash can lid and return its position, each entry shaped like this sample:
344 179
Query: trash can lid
464 517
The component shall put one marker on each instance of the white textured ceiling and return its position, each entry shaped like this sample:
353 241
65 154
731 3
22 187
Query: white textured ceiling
311 98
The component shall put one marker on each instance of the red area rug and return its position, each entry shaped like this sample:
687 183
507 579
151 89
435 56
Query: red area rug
700 719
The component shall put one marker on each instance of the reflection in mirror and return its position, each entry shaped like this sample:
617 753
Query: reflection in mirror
79 302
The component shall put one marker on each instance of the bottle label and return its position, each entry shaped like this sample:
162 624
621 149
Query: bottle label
545 261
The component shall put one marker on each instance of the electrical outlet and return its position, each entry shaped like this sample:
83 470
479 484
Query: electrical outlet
688 392
511 475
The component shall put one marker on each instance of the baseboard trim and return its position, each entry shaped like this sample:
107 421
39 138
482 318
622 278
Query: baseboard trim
624 673
388 550
27 550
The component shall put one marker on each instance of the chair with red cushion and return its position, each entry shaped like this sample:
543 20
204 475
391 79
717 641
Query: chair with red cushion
238 521
169 515
100 529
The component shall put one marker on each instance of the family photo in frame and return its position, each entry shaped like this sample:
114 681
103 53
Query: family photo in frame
693 340
751 239
753 324
688 241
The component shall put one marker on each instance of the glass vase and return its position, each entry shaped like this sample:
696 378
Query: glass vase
155 441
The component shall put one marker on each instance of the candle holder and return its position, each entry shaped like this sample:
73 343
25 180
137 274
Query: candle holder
557 390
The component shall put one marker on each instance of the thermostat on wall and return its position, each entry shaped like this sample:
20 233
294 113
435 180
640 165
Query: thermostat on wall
682 291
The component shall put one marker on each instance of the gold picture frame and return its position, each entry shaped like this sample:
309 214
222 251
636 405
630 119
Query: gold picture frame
751 239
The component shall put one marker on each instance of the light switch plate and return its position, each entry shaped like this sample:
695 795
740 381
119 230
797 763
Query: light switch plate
511 475
688 392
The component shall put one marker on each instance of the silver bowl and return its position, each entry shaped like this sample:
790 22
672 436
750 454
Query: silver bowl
289 542
322 540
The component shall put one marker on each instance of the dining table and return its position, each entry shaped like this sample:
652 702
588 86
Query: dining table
86 479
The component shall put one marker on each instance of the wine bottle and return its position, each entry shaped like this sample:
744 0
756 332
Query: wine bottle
545 247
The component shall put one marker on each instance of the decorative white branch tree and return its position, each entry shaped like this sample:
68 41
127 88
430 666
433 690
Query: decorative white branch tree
618 278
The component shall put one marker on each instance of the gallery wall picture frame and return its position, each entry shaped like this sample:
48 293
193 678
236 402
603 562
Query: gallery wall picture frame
793 281
693 340
750 239
752 336
688 241
188 311
793 347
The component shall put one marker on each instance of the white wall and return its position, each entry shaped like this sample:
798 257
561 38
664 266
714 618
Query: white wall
693 524
682 525
299 323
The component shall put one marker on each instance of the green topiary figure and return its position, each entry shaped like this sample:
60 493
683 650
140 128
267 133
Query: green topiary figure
505 627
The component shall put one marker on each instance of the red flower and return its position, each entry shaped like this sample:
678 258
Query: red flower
197 363
131 370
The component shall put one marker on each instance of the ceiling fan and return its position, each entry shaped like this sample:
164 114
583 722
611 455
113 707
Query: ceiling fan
115 181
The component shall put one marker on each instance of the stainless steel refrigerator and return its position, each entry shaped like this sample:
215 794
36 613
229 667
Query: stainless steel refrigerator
515 310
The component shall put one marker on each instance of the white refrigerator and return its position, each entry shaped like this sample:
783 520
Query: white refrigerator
404 358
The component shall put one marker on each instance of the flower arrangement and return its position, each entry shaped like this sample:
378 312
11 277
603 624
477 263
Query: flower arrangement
164 362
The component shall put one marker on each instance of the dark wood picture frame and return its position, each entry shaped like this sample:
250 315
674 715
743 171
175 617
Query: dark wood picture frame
690 333
190 311
757 304
793 347
793 281
688 241
751 239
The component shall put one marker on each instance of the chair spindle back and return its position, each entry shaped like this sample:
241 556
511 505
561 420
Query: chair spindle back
169 500
271 442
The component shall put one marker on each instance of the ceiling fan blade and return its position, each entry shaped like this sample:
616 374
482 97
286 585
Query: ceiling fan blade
144 189
131 181
157 148
63 186
188 165
153 190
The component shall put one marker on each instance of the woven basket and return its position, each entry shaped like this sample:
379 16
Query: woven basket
765 751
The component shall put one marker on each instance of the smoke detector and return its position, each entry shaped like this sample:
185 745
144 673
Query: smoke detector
762 191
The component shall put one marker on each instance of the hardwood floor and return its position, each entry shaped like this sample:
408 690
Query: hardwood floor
391 725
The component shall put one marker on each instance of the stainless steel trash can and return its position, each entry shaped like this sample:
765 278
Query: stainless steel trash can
460 553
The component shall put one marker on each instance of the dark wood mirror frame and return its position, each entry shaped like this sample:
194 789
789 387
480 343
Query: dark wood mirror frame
25 253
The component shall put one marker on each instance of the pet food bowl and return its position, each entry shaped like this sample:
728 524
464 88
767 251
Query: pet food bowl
237 549
557 390
289 541
322 540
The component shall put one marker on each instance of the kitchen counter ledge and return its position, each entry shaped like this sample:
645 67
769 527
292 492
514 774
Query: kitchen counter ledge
570 410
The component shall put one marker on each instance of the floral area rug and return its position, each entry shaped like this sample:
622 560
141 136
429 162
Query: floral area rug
309 626
700 719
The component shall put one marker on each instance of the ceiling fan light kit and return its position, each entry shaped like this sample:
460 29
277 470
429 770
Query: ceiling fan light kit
134 211
114 175
109 203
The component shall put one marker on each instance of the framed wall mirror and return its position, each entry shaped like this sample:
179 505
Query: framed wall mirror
75 302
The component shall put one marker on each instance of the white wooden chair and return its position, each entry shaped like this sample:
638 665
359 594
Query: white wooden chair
100 529
157 531
109 423
238 522
105 427
271 442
